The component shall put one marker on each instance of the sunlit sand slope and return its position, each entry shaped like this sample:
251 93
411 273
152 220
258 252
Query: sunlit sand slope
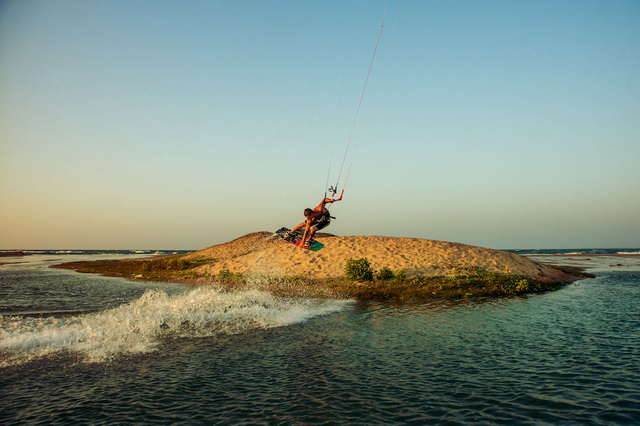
260 253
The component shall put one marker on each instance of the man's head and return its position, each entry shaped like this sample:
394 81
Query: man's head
307 212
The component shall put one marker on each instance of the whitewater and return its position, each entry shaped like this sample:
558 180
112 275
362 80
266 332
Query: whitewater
162 311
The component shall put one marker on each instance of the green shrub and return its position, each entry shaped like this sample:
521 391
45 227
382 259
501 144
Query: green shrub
358 269
384 274
190 274
400 275
227 276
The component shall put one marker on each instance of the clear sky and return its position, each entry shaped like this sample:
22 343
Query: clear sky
157 124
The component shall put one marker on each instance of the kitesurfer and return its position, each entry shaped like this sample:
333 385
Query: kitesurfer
316 218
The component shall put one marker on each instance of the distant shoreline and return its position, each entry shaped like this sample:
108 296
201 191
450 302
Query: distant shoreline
17 253
583 255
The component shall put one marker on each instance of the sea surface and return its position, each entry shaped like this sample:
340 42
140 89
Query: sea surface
80 348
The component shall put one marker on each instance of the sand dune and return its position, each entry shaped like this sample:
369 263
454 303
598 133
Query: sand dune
260 253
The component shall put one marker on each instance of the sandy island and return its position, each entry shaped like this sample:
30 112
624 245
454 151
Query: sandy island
421 268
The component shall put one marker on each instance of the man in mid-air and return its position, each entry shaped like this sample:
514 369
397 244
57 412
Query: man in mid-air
317 218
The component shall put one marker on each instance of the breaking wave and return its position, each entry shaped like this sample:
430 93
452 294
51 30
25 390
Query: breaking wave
141 325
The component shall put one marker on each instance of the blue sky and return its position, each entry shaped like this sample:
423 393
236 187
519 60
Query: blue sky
183 124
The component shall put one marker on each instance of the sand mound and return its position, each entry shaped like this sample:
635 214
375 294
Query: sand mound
260 253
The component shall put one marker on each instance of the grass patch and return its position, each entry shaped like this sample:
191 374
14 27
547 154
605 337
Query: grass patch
466 283
165 268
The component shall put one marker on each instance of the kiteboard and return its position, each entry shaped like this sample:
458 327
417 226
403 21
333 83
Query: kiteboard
295 238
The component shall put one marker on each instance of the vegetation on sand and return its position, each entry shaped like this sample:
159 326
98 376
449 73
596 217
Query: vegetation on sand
360 281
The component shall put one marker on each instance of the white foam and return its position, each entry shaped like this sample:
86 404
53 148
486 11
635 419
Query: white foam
140 326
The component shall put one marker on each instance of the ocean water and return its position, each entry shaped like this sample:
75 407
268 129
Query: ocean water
78 348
